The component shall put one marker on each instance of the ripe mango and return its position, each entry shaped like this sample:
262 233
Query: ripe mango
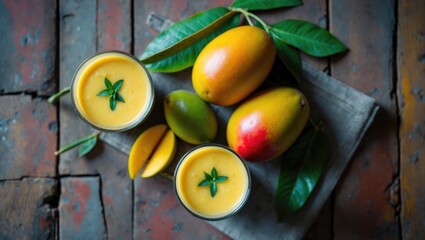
190 118
233 65
268 123
154 147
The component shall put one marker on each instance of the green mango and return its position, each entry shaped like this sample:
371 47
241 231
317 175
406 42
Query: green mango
190 117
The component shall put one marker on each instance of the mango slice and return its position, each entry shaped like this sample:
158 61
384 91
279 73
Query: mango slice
143 147
162 156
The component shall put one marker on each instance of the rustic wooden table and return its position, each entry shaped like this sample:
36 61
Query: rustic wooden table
380 196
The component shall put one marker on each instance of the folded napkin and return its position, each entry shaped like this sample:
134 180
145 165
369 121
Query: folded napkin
346 112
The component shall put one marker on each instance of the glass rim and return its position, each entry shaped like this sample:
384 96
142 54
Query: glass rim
150 102
242 202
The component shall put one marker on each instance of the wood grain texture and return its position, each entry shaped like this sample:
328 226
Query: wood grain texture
80 209
77 42
27 208
28 46
114 25
411 86
28 137
363 204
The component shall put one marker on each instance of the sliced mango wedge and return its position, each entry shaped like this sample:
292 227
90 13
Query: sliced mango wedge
143 147
162 156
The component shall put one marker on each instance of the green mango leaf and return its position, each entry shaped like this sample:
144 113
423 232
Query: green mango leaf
265 4
87 146
301 167
308 37
177 47
289 56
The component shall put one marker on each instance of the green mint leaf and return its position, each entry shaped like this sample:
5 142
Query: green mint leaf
112 103
208 177
103 93
213 189
212 180
204 183
117 85
119 98
214 173
108 84
220 179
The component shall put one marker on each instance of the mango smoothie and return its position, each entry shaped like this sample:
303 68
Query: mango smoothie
133 97
232 188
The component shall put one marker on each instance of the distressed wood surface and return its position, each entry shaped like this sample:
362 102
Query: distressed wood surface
27 208
28 46
28 135
411 101
80 209
364 201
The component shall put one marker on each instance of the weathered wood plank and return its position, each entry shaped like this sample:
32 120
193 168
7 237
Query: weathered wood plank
111 165
77 42
114 25
80 209
363 204
28 137
411 87
28 208
28 46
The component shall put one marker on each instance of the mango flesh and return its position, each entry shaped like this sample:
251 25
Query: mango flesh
162 156
152 144
190 118
233 65
267 124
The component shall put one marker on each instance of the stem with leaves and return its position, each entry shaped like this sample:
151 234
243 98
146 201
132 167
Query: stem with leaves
248 15
88 143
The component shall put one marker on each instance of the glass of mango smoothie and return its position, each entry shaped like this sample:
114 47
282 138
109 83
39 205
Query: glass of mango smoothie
112 91
212 182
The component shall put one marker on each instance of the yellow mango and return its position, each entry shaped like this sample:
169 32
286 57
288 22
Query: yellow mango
233 65
162 156
143 147
268 123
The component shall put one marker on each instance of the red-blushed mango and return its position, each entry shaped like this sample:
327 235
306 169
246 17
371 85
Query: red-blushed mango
233 65
268 123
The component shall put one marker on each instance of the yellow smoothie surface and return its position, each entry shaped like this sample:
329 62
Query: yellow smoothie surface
231 193
136 90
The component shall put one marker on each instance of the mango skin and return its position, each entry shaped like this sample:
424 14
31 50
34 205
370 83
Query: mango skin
233 65
189 117
267 124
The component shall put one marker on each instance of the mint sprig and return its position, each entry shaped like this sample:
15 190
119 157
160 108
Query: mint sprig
112 92
212 180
